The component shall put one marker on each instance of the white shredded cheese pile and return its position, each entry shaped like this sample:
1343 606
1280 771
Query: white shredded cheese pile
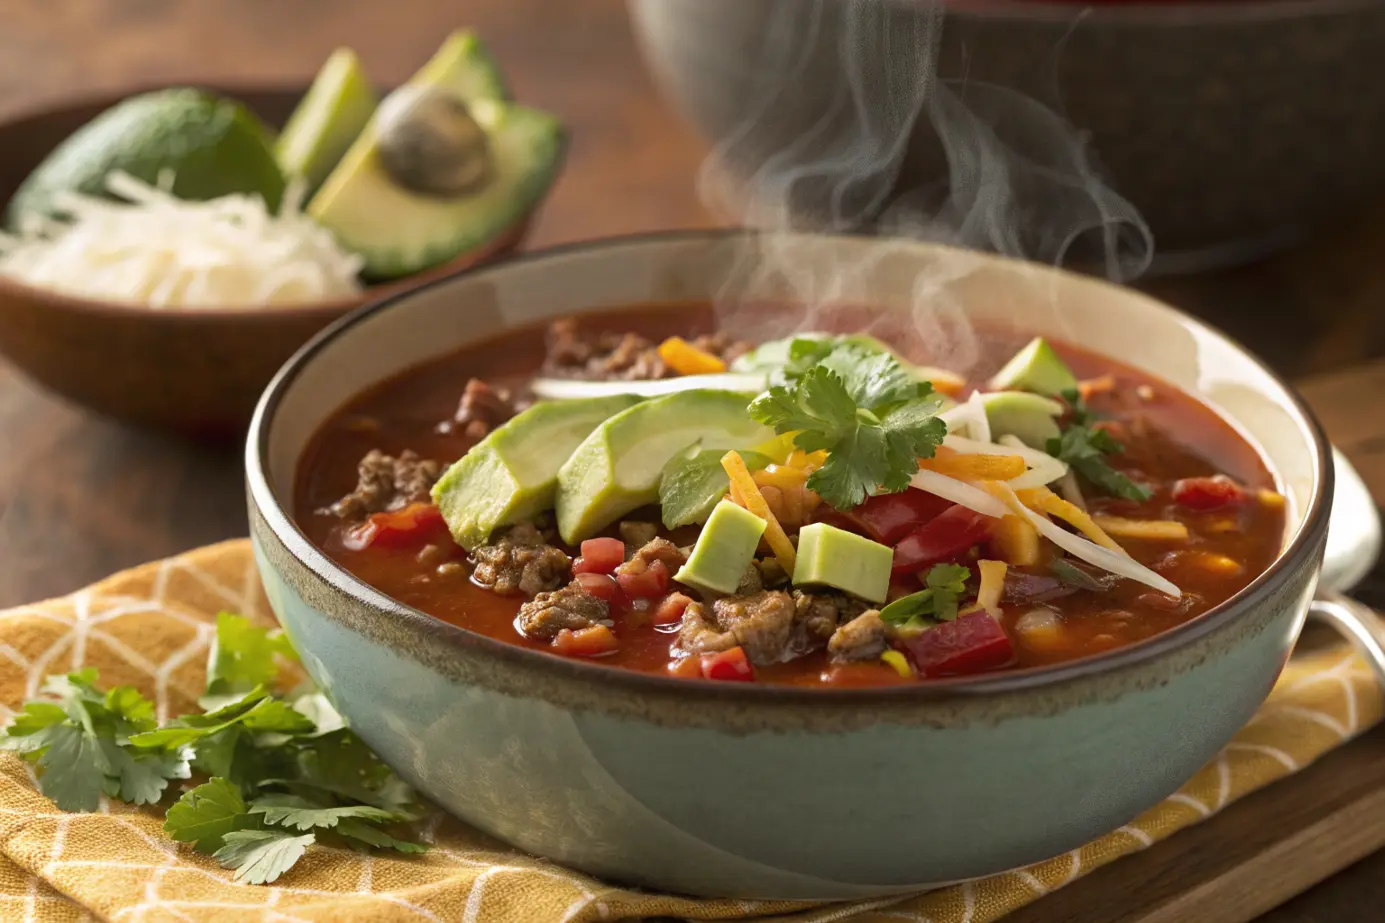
166 252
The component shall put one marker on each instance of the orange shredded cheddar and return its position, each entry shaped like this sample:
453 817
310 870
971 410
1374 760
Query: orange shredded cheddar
992 585
754 501
1095 386
1218 564
943 381
975 467
686 359
1157 530
1015 540
1041 498
1273 499
808 462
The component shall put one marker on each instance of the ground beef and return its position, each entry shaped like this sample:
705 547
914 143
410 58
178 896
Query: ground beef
520 561
760 623
659 549
483 408
635 533
862 638
387 483
571 607
576 353
819 613
751 581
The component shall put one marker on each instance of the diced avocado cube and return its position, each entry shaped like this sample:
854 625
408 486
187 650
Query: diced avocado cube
618 467
1035 368
1031 417
512 474
724 550
828 556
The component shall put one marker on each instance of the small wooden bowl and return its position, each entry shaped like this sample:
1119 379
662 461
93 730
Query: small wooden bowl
196 372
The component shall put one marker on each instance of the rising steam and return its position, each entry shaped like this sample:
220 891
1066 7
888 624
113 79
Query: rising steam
845 126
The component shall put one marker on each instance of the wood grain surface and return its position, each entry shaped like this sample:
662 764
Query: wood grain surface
81 497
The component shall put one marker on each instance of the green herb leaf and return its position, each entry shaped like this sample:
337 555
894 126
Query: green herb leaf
693 482
872 378
31 729
1073 575
365 834
1085 450
343 765
73 768
261 856
946 586
242 657
141 776
255 712
204 815
306 817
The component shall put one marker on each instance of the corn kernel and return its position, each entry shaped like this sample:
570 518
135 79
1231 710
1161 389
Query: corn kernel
897 660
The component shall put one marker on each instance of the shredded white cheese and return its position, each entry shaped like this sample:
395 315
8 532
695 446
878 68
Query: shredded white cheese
165 252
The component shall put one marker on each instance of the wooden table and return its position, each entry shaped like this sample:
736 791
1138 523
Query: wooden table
81 497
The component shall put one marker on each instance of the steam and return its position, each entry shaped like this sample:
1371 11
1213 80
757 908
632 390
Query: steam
846 127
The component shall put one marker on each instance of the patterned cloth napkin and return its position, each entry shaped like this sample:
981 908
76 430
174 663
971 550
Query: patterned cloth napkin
150 627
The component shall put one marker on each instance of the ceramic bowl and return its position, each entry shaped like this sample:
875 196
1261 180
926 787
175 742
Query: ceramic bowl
1233 126
198 371
758 791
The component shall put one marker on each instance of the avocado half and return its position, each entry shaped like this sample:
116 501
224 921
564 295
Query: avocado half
399 232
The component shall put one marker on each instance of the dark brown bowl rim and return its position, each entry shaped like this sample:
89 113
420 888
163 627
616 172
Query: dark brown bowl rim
310 310
286 531
1152 12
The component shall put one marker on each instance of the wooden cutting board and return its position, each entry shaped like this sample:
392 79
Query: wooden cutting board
1270 846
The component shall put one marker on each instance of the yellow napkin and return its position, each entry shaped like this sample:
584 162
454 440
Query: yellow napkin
150 627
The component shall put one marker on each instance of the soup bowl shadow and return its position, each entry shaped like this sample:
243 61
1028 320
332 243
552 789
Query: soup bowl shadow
759 791
196 371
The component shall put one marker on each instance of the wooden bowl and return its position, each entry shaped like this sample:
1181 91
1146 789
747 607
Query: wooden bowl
197 372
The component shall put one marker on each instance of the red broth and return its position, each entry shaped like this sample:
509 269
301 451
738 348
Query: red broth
1168 434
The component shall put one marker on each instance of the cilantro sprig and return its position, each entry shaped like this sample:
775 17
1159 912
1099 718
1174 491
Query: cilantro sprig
282 772
945 587
1085 448
862 406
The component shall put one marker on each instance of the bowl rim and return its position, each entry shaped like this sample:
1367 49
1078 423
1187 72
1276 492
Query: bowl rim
299 312
1188 13
616 679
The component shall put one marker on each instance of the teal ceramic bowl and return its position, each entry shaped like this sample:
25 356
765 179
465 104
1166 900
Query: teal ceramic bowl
757 791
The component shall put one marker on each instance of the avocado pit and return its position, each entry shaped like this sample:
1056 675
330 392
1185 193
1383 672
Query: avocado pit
429 143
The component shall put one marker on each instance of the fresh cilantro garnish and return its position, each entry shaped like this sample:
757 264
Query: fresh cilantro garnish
284 771
692 483
1085 447
946 586
873 419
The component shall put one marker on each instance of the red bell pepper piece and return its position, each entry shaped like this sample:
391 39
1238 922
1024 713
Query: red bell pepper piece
600 556
945 538
729 665
415 524
972 643
887 518
1208 493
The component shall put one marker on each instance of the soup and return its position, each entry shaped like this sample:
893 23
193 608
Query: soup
635 489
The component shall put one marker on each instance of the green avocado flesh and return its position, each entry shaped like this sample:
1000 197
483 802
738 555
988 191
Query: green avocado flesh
1032 418
617 468
1035 368
512 474
327 120
724 550
399 232
828 556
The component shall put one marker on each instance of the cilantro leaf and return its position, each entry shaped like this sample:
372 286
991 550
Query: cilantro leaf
871 447
204 815
130 710
872 378
692 483
1085 450
261 856
342 765
140 776
73 768
257 711
365 834
306 816
33 727
242 657
314 706
945 586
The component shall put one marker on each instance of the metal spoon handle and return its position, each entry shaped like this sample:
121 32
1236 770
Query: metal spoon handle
1361 626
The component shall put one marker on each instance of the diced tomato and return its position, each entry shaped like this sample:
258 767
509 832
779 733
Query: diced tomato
415 524
731 665
600 556
887 518
972 643
648 583
686 667
944 539
585 642
670 610
1208 493
602 585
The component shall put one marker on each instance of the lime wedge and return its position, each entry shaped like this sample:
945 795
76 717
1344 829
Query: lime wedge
327 120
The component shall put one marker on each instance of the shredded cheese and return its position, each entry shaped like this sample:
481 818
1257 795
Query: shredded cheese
752 500
165 252
686 359
1016 541
1155 530
974 467
992 585
900 663
1045 500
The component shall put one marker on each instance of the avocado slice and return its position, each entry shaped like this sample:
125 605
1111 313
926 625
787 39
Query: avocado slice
1031 417
327 120
828 556
724 550
617 468
399 231
512 474
1035 368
